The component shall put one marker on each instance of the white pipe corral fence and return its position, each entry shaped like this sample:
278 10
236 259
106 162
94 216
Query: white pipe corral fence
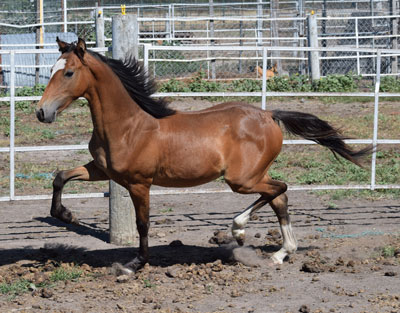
11 149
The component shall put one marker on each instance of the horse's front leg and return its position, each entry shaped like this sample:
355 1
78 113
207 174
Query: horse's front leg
88 172
140 194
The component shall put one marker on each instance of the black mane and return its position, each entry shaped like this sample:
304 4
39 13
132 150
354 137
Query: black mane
138 84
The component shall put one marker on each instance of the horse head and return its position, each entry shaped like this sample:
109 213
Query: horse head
68 81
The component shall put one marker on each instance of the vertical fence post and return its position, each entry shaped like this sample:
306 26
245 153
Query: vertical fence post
259 22
170 21
167 28
357 46
394 30
100 40
12 125
302 68
376 115
313 56
213 75
65 16
173 20
264 80
122 212
240 44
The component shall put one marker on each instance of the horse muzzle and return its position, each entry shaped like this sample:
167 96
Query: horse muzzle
45 116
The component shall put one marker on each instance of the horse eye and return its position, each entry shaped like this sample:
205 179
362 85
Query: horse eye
69 73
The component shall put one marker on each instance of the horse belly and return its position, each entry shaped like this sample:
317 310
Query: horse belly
189 168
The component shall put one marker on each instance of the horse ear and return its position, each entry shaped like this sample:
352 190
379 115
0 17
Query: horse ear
62 45
81 47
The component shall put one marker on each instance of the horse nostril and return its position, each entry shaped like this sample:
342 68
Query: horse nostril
40 114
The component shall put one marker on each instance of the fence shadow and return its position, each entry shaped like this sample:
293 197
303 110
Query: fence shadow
84 229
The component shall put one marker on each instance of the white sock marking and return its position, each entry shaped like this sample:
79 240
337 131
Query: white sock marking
240 221
289 244
60 64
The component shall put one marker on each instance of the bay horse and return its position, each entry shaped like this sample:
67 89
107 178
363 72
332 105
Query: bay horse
138 141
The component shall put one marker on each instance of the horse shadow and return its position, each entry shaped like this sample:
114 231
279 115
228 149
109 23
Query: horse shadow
161 255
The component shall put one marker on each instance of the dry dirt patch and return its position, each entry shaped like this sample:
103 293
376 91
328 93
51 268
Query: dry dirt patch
344 262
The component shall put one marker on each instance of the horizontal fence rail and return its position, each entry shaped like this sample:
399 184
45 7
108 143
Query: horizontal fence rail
265 53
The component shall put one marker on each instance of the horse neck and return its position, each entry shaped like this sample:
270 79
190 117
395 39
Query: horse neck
113 110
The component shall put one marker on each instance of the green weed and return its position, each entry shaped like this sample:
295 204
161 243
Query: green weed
63 274
167 210
15 288
388 251
148 284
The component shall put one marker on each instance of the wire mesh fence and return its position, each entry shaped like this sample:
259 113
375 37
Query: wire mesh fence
358 32
362 23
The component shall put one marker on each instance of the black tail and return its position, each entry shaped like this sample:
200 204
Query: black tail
312 128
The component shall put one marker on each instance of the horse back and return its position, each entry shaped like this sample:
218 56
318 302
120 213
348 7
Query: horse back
200 146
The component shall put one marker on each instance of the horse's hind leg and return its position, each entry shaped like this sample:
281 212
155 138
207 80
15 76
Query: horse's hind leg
269 190
272 192
88 172
280 207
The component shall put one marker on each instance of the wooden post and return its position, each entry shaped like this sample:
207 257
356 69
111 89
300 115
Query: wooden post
122 213
100 41
313 56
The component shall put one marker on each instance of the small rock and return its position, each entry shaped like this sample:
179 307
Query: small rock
351 263
217 266
304 309
147 299
172 272
390 274
164 221
309 267
257 235
122 278
235 294
46 293
176 243
315 278
254 217
161 235
274 233
39 278
120 306
86 267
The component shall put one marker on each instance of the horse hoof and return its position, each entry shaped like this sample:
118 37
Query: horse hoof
65 216
134 265
119 269
240 241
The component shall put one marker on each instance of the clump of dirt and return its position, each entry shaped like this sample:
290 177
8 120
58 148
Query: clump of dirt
221 238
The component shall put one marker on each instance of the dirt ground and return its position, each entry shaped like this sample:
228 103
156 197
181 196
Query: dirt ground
340 265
